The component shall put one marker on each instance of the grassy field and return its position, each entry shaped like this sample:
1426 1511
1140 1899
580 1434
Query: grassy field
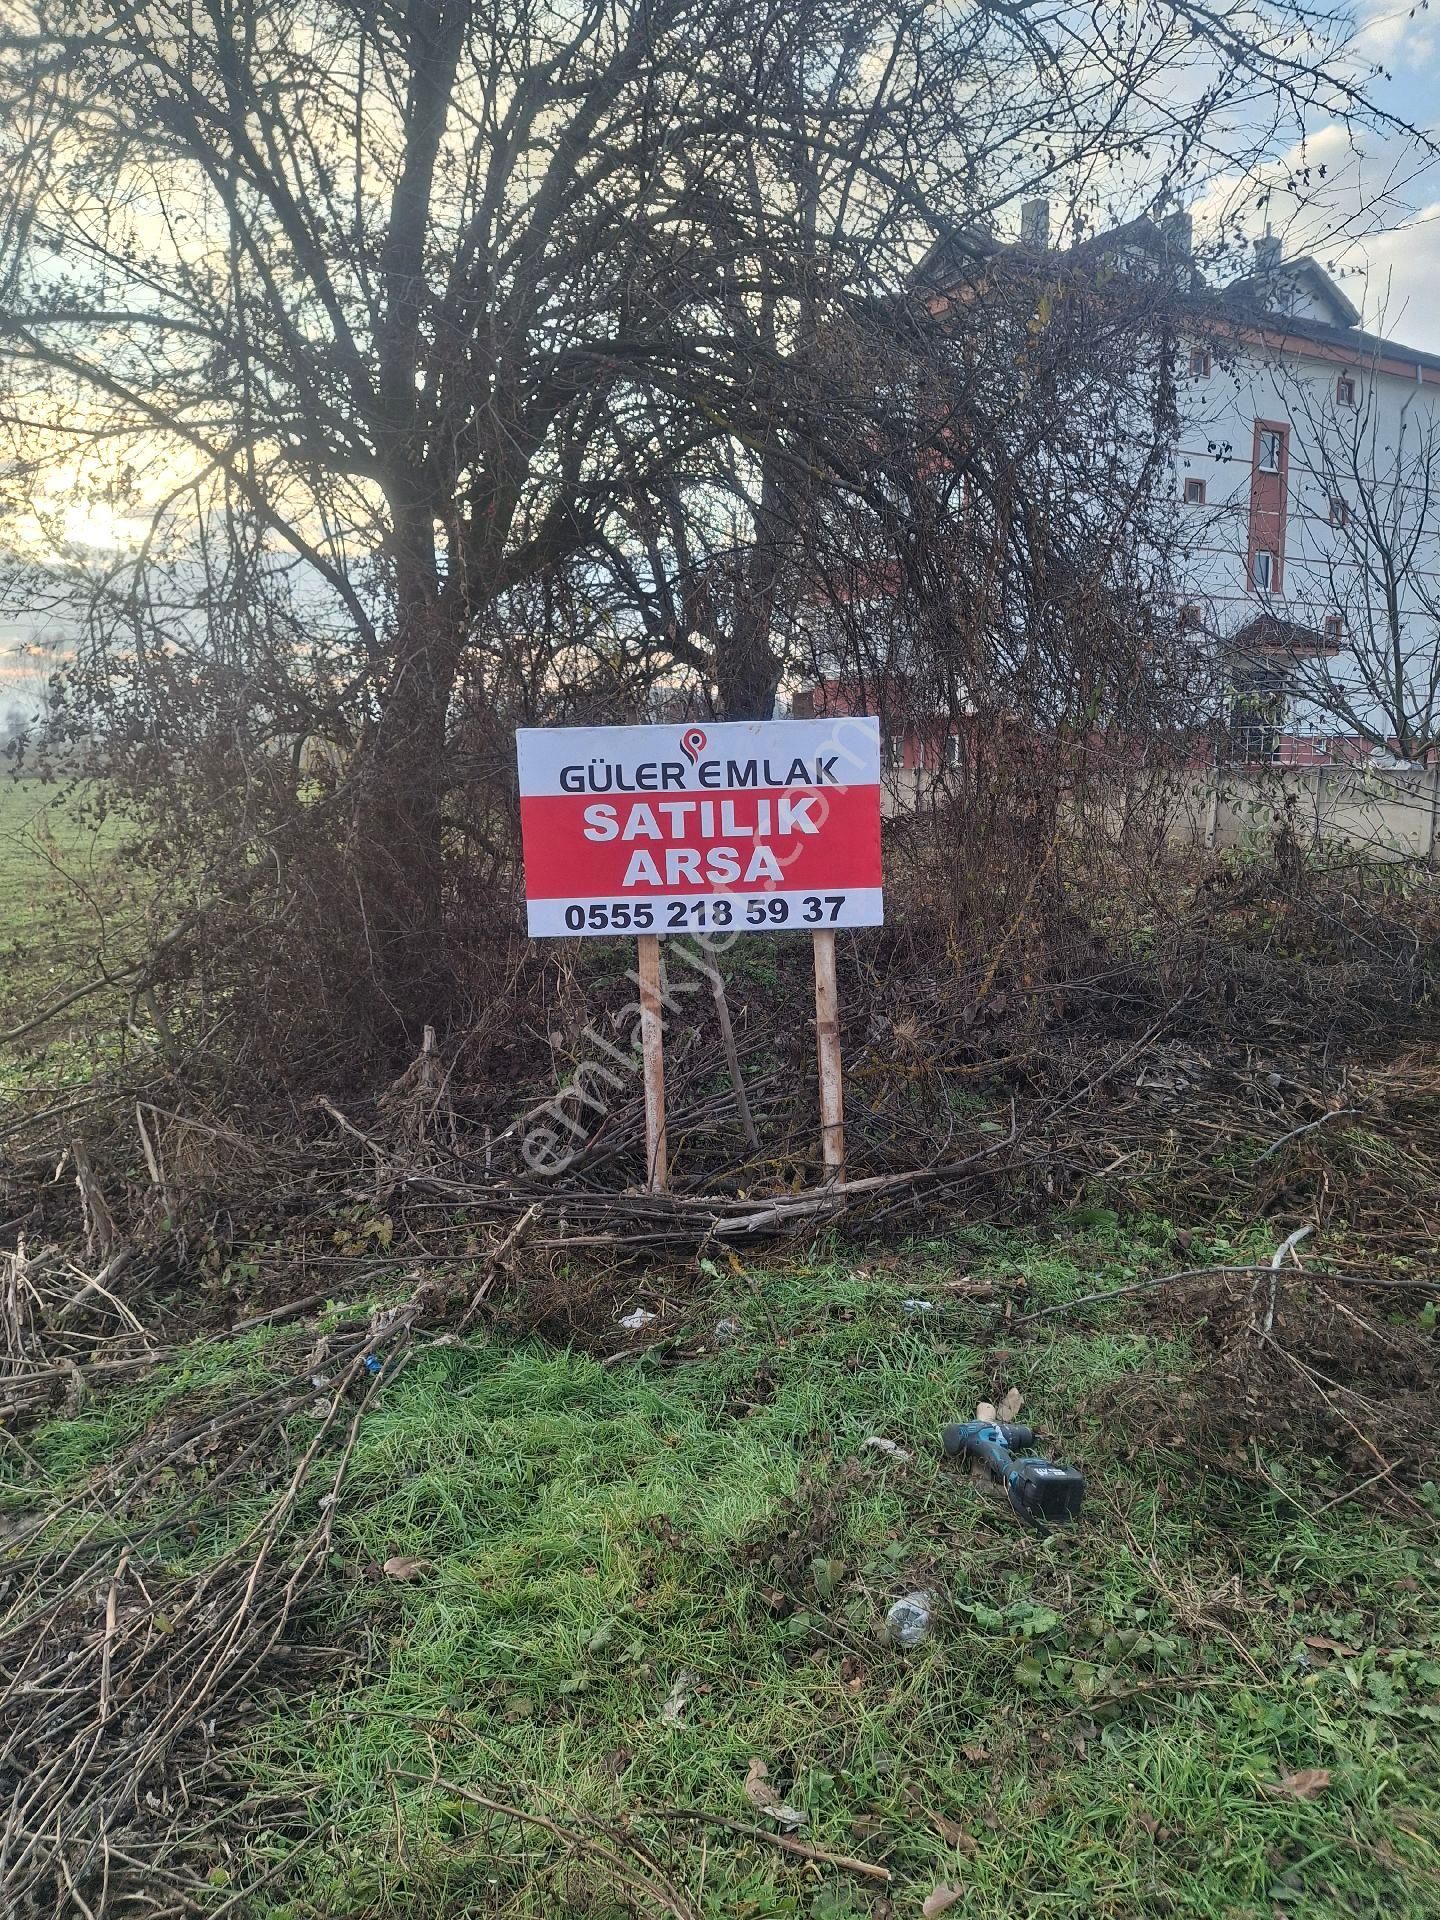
63 916
49 859
599 1593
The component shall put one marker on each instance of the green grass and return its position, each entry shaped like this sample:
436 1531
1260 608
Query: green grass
1098 1725
67 1448
51 859
63 915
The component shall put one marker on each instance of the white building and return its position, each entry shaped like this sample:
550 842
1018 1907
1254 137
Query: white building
1308 479
1306 483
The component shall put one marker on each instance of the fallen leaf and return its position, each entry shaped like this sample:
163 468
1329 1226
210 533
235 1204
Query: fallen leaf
940 1900
763 1796
954 1835
878 1444
827 1575
672 1714
1010 1406
979 1756
401 1566
1318 1643
984 1411
1308 1784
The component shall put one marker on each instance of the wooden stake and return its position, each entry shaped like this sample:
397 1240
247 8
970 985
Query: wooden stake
827 1047
653 1046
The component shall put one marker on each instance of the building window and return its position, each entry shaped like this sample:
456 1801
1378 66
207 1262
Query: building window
1339 511
1194 493
1271 451
1200 363
1263 569
1333 628
897 750
1344 391
952 749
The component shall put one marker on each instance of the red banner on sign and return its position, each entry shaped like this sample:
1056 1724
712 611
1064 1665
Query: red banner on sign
632 829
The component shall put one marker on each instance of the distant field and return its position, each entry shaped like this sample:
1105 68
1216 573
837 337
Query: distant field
58 890
48 859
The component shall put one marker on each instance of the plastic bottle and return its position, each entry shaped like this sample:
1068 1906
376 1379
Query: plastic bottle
908 1621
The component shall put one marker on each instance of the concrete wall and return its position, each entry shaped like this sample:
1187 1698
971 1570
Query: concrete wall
1388 816
1384 816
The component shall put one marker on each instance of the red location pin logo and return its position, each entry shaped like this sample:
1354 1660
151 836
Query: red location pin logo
692 744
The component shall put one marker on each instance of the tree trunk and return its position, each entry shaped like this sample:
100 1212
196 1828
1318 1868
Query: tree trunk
397 848
747 671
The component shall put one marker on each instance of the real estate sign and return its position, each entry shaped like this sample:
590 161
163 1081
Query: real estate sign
746 826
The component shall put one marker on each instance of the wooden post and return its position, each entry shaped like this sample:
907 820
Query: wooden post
827 1047
653 1046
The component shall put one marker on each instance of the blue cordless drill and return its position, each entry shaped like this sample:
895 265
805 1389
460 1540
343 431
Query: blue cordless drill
1037 1489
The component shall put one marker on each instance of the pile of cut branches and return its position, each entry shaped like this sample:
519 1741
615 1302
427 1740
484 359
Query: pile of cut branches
129 1649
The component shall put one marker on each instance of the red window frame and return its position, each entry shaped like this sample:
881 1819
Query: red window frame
1269 505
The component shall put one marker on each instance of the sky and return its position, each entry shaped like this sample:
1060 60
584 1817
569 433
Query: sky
1394 275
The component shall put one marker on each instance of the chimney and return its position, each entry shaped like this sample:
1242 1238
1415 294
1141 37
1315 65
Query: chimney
1179 236
1035 225
1267 252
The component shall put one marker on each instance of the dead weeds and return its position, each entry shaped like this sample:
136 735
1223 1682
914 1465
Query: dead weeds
1336 1373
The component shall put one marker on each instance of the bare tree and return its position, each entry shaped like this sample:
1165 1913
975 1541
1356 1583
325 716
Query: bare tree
1373 473
401 326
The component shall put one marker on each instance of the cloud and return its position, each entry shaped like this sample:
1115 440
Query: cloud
1384 31
1402 284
